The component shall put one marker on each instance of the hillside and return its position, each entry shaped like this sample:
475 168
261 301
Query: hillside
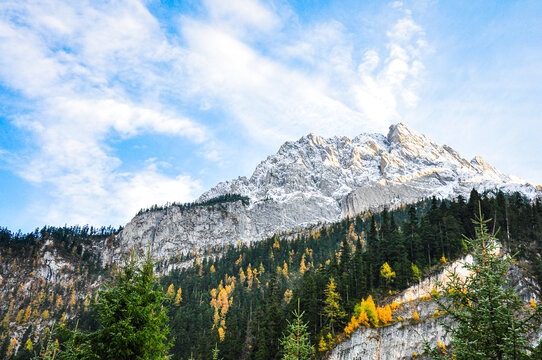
261 282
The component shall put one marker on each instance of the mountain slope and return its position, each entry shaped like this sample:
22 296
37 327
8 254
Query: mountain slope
51 275
316 180
405 337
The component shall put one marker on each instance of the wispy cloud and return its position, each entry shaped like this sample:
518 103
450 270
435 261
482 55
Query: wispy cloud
335 90
93 69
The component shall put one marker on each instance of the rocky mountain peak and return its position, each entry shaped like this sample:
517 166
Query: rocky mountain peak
316 179
481 163
400 133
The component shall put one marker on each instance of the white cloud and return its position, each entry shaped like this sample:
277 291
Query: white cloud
128 193
74 61
95 70
331 93
242 15
404 29
369 63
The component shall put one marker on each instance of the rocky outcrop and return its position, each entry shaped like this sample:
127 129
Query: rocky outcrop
314 180
172 230
398 341
407 337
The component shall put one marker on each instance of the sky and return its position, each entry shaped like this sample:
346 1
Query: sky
107 107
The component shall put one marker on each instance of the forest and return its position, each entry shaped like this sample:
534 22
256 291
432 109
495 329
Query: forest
222 199
237 304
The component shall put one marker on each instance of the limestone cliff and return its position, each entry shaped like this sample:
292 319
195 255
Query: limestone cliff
404 338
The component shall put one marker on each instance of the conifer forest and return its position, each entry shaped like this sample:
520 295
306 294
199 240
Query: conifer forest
291 296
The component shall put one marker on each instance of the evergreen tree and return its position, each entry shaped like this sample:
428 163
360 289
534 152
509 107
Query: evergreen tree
357 270
372 254
270 324
491 321
345 270
216 353
309 300
132 319
410 231
295 342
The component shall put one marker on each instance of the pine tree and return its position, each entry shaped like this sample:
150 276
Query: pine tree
216 353
491 321
357 270
372 254
271 323
295 342
132 319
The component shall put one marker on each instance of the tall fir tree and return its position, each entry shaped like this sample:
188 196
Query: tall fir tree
296 343
132 318
490 322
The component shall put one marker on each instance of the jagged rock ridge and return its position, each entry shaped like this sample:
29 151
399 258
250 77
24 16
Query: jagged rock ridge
315 180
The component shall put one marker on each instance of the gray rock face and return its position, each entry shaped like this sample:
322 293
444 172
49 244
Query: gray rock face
404 338
316 180
171 231
394 342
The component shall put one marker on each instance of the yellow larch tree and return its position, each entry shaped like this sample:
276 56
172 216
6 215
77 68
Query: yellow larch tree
171 291
5 321
322 345
284 270
302 266
73 299
332 308
387 273
242 276
250 277
288 296
179 297
19 317
59 303
27 313
221 300
11 348
368 307
384 314
28 345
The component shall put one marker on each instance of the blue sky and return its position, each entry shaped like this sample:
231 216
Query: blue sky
107 107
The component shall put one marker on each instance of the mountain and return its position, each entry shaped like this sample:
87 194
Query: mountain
51 276
317 180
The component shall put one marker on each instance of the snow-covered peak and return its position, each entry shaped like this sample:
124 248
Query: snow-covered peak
400 133
316 179
334 167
